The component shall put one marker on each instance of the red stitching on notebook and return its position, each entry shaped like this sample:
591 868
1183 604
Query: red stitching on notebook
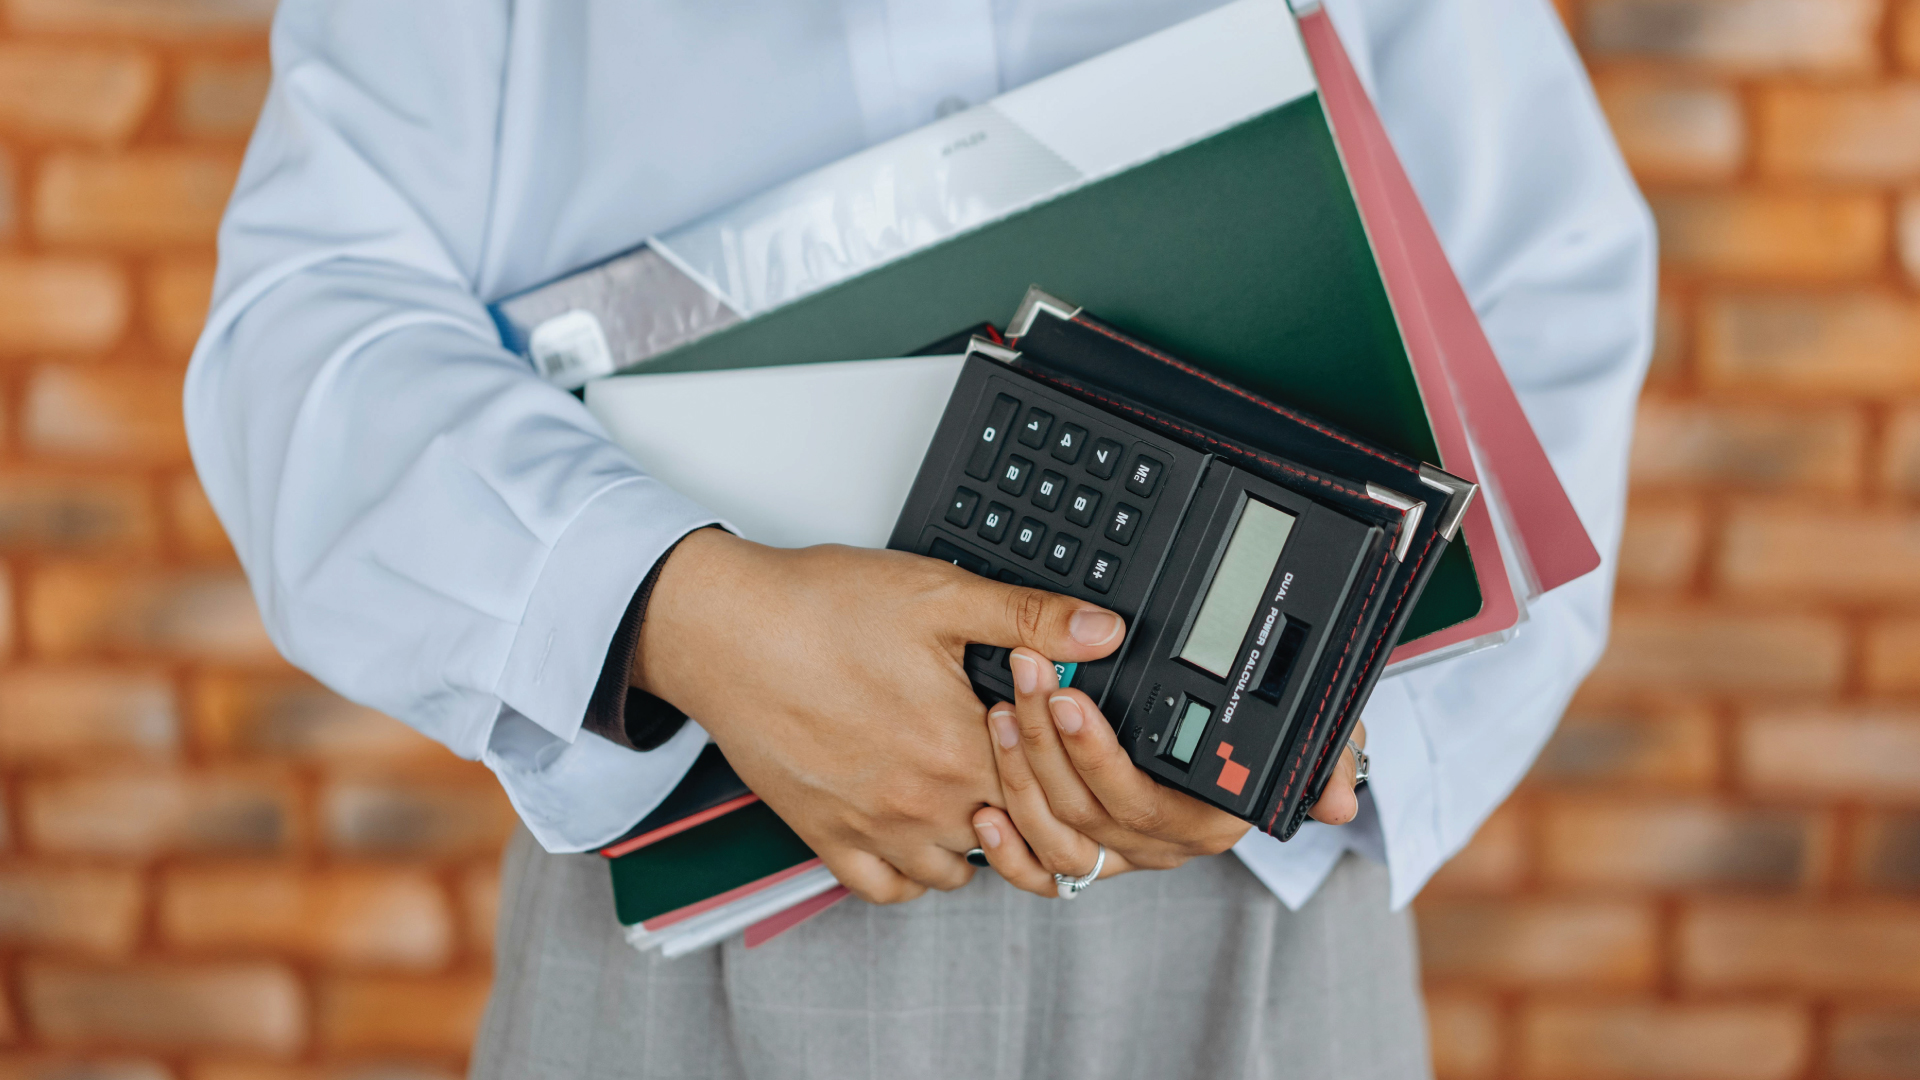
1237 391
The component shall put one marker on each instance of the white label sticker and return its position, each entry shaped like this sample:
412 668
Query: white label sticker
570 349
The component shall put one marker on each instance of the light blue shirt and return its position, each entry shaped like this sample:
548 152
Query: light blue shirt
434 531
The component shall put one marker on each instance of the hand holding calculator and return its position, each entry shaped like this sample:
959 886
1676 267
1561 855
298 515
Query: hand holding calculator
1261 594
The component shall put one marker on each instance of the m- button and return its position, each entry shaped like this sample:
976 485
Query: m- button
1144 476
1121 523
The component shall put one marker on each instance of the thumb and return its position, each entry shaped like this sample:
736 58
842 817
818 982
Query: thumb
1055 626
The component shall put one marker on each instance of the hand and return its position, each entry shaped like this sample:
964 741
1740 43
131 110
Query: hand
1070 787
831 678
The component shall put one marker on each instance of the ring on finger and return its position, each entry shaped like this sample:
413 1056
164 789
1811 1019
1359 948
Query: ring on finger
1360 763
1070 887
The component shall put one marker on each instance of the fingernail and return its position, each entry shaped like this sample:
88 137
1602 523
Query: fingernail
1005 731
1066 713
1091 626
989 836
1026 673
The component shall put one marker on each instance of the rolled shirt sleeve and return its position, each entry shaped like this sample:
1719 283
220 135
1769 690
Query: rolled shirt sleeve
1492 115
428 526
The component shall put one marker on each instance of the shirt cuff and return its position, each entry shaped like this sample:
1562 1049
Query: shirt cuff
620 712
583 591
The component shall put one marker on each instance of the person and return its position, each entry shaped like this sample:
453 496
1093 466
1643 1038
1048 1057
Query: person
434 531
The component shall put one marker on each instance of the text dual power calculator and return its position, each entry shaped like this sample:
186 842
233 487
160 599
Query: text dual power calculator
1239 592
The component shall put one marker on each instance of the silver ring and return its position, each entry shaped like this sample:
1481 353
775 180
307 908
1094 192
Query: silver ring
1360 763
1070 887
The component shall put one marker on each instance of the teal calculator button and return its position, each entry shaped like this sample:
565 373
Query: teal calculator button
1065 671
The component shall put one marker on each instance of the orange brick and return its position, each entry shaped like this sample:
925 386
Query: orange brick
105 412
360 917
59 92
1860 343
1907 228
1538 942
1672 328
1802 948
1656 1041
1865 756
178 291
196 528
78 608
1690 443
389 1014
1674 128
394 816
60 303
1661 546
1797 551
91 909
293 716
1840 132
275 1070
1722 651
480 901
247 1007
1495 861
1741 35
145 198
46 512
1893 655
86 1067
1465 1032
1888 853
1907 41
156 18
1772 234
221 98
1874 1045
51 714
1677 845
129 812
1631 745
1900 458
7 633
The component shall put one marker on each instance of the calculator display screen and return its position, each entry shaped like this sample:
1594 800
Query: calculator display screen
1237 586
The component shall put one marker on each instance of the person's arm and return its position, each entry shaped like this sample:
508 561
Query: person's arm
434 531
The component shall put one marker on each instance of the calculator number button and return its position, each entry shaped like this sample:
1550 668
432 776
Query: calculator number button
1121 523
961 507
1061 553
1034 429
999 420
960 557
1015 474
1027 538
993 527
1105 459
1105 567
1068 444
1144 476
1046 494
1084 504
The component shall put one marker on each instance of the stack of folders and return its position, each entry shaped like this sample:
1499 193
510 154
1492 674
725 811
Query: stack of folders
1222 189
713 861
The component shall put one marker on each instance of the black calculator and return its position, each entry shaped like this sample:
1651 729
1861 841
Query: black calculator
1245 597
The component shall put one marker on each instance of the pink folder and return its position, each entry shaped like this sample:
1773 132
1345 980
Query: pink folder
1466 392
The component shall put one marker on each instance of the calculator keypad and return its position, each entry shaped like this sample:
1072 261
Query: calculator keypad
1061 505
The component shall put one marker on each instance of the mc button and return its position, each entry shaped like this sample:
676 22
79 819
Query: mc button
1144 476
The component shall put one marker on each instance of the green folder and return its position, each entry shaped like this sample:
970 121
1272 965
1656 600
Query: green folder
714 857
1243 253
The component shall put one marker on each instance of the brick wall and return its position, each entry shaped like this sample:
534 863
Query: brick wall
211 869
1714 871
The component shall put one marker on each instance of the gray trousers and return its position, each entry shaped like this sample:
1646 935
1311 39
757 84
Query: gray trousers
1197 972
